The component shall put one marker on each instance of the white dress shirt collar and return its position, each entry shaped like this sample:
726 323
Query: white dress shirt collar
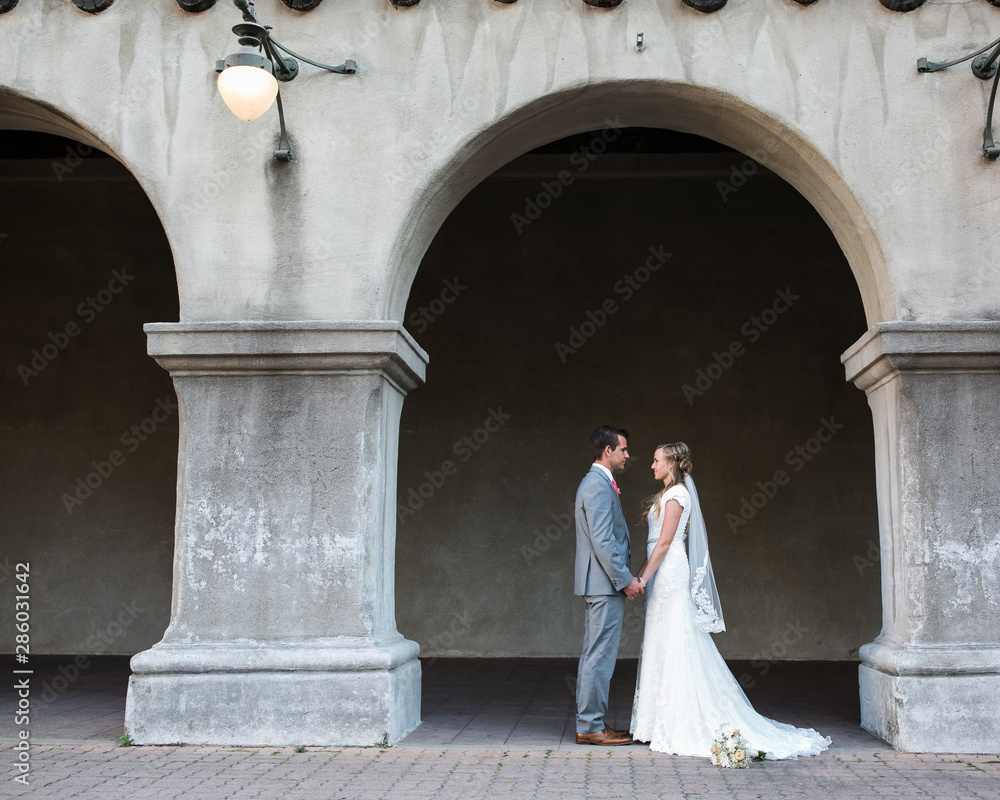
606 471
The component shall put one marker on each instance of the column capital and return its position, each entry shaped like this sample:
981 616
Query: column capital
943 346
296 347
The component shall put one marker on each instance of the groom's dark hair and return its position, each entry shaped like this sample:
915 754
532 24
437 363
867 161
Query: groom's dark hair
605 436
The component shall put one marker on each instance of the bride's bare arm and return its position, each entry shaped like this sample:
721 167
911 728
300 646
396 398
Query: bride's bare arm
671 516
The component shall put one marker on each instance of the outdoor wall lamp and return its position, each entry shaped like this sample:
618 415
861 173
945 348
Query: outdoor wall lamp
248 81
984 67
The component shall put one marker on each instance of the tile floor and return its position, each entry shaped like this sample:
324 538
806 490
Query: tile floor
517 703
529 703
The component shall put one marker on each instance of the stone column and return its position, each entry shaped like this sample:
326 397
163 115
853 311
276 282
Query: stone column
930 681
282 627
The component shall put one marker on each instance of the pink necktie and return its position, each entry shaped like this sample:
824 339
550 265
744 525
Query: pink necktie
617 490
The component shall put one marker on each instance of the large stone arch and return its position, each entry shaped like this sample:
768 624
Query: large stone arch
509 308
657 104
696 110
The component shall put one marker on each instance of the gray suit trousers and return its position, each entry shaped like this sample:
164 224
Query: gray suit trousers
602 633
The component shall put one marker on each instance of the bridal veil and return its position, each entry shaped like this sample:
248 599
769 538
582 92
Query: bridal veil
708 608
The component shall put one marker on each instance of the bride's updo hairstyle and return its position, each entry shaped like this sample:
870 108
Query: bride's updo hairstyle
678 457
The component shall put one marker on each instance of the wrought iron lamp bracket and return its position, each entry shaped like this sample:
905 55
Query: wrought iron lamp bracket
984 67
250 33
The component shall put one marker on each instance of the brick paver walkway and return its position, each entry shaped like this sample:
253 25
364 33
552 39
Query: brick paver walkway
492 728
61 772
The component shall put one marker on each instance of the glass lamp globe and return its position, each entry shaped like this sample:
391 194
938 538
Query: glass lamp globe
248 91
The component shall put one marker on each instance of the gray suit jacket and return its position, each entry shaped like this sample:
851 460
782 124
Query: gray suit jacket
603 554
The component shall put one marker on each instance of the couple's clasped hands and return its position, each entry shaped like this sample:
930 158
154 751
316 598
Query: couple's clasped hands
634 589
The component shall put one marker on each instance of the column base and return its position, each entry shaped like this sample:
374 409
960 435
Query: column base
931 699
326 693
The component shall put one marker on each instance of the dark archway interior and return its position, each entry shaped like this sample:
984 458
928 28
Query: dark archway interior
88 420
549 305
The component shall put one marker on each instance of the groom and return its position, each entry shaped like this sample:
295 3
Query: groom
603 561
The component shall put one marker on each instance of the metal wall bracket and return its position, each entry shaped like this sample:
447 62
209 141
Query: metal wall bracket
250 33
984 67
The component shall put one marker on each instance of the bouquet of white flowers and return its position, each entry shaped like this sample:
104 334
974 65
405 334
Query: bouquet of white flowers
729 749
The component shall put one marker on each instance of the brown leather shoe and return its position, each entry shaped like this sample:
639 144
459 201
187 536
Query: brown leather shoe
606 738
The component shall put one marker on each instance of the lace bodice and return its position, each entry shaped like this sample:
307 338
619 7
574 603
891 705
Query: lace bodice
655 518
673 574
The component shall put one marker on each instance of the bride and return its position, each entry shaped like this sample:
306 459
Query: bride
685 691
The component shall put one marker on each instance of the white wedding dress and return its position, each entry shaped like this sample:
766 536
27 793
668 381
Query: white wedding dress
684 690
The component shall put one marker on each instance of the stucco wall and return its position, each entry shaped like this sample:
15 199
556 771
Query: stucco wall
88 422
447 92
484 549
